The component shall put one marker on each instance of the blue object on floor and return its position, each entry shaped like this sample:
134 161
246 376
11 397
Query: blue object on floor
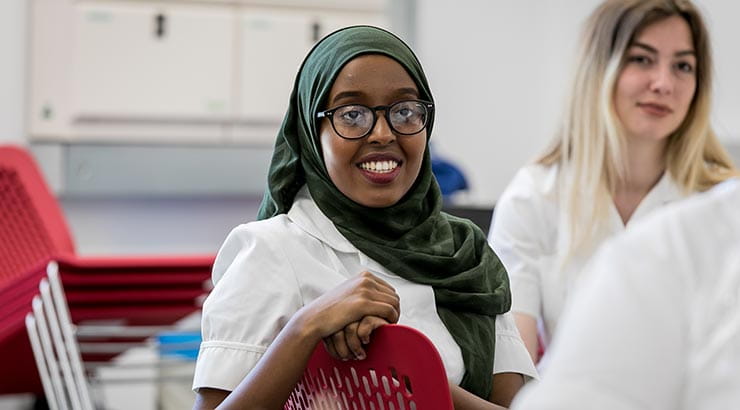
182 345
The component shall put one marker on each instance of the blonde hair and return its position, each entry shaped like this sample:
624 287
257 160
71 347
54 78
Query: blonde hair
589 145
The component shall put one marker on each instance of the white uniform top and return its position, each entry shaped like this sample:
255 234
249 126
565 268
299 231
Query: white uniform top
267 270
529 233
656 322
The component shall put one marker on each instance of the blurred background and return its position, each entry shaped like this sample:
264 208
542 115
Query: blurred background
153 121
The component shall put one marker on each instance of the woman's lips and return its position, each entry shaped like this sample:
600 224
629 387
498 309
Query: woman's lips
381 177
380 169
656 110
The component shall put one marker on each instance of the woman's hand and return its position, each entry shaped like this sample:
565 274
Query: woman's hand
360 305
347 343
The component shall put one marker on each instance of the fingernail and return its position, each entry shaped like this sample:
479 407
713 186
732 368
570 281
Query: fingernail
361 356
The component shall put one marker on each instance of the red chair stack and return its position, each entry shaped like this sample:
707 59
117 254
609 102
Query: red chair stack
126 291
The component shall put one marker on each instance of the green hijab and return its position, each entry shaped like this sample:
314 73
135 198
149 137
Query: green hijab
412 238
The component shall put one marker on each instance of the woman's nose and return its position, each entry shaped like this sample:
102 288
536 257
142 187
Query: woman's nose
382 132
662 81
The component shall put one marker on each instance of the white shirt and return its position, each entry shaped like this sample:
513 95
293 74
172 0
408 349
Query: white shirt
267 270
656 323
529 233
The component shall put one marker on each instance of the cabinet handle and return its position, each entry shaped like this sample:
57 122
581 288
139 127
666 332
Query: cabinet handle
160 24
316 30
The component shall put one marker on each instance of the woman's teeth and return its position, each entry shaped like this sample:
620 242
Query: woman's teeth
379 166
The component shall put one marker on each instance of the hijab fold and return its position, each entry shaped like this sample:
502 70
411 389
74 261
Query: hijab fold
411 238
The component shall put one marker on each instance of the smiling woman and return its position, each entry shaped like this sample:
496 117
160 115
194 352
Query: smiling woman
635 135
378 169
351 237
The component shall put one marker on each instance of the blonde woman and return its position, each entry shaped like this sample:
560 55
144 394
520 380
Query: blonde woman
635 135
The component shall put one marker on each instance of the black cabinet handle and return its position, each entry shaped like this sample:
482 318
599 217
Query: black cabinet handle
316 30
160 25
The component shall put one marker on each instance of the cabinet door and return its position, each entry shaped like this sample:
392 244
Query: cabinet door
143 60
273 44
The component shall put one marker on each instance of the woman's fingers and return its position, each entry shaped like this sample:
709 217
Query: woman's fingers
383 310
367 295
366 281
380 283
348 343
329 345
366 327
381 297
340 346
389 299
353 341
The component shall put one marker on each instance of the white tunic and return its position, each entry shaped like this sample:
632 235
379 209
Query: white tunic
267 270
529 234
656 323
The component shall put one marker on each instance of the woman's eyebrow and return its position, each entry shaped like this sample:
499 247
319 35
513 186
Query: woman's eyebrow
347 94
685 53
646 47
653 50
344 95
409 90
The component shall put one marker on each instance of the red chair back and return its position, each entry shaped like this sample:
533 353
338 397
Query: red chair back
33 228
402 371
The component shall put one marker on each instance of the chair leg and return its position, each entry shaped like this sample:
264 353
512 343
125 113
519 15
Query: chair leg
45 360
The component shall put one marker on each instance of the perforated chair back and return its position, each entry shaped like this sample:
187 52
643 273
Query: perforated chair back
33 228
402 371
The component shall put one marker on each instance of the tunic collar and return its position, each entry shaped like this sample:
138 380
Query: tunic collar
307 215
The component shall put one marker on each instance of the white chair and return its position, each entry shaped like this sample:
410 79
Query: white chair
54 346
46 365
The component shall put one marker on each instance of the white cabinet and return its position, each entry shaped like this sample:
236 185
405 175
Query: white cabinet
272 46
133 71
152 61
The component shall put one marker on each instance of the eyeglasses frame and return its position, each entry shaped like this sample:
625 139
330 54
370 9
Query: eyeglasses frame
329 114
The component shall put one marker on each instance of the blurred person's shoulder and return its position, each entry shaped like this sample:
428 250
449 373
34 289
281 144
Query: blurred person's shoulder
534 179
697 235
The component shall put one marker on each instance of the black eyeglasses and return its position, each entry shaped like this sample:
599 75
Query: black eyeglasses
355 121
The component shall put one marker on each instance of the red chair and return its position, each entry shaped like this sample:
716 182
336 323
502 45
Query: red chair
33 231
402 370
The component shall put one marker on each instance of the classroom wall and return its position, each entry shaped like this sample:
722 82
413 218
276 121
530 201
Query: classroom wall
490 68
